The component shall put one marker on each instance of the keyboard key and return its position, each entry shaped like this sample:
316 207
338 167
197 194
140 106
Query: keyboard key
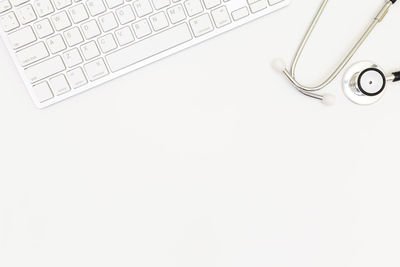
95 7
151 46
159 21
22 37
240 13
221 16
107 43
72 58
32 54
43 7
159 4
90 50
4 5
73 36
18 2
76 78
211 3
108 22
61 21
26 14
43 28
201 25
45 69
125 14
176 14
96 69
78 13
114 3
258 6
274 2
59 85
142 7
56 44
43 92
141 28
193 7
9 22
60 4
90 29
124 36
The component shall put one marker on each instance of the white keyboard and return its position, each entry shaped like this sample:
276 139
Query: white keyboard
64 47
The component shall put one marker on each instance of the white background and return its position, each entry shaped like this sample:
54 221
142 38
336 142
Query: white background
210 158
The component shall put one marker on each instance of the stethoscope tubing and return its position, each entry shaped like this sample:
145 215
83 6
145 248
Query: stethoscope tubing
310 90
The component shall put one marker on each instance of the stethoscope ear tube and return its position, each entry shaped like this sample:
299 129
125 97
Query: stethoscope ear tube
396 76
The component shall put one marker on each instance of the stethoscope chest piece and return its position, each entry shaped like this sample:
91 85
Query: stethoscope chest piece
364 83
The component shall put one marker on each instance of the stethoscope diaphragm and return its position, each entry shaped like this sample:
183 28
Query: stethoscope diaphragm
364 83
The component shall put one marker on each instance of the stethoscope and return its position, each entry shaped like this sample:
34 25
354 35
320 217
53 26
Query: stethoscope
364 83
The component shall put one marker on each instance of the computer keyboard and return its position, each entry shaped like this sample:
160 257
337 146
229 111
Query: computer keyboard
64 47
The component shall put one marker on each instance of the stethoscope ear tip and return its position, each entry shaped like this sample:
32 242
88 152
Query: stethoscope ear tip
328 99
278 64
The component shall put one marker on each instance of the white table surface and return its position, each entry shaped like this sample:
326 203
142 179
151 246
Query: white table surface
210 158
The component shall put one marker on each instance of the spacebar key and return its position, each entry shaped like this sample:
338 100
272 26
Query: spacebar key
149 47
